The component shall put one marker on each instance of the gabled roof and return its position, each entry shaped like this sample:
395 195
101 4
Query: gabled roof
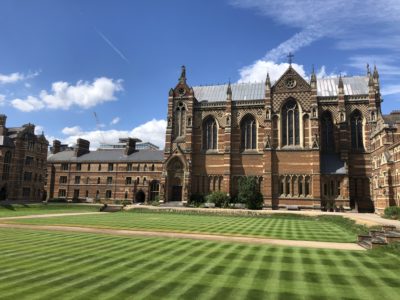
114 155
392 118
357 85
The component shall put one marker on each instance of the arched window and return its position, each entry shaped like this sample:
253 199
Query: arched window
327 137
356 131
154 189
210 134
180 117
307 186
290 123
249 132
7 165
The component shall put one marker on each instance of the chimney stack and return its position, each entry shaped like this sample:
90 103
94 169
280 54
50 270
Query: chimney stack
56 146
82 147
131 145
3 119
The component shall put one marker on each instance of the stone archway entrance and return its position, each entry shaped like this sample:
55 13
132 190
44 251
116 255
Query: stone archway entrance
175 180
140 196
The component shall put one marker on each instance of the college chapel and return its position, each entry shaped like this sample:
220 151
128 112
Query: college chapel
309 142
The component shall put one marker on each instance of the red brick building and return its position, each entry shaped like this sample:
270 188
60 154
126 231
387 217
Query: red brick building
314 143
22 162
385 153
308 142
105 174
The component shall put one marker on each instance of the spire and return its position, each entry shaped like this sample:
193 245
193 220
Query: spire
340 85
229 91
182 79
368 70
370 80
313 76
376 74
268 81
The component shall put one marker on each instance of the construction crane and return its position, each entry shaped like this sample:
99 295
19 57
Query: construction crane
98 126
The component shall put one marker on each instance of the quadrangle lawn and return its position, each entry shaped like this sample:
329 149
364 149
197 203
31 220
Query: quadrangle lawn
274 226
15 210
60 265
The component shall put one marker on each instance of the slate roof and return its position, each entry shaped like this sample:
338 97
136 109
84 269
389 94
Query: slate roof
392 118
357 85
331 164
114 155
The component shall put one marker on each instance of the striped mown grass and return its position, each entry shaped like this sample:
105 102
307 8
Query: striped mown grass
53 265
13 210
273 226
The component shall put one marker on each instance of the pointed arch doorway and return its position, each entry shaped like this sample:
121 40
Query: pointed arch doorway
175 179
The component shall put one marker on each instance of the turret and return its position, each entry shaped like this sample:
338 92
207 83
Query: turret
182 79
229 92
313 81
3 119
340 85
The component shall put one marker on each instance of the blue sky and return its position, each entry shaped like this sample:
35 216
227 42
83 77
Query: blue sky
61 61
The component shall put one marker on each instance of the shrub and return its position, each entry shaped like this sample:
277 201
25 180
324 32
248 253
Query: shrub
249 194
58 200
196 200
126 202
156 201
392 212
220 199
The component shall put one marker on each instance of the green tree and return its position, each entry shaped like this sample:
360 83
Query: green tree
249 193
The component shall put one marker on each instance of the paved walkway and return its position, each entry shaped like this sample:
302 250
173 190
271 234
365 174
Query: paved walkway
208 237
50 215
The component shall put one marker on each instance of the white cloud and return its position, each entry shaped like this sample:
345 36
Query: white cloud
115 121
27 105
356 24
64 95
39 129
391 89
16 76
2 99
152 131
11 78
258 71
75 130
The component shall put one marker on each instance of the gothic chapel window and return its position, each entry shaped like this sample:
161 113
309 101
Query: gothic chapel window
249 132
327 139
356 131
180 115
290 124
210 134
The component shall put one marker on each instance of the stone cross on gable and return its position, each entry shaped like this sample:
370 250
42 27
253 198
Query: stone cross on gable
290 57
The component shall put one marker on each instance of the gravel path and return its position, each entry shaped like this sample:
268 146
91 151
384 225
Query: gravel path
208 237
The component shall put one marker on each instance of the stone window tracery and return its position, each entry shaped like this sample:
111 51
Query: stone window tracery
7 165
290 124
210 134
249 132
327 136
357 131
180 117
